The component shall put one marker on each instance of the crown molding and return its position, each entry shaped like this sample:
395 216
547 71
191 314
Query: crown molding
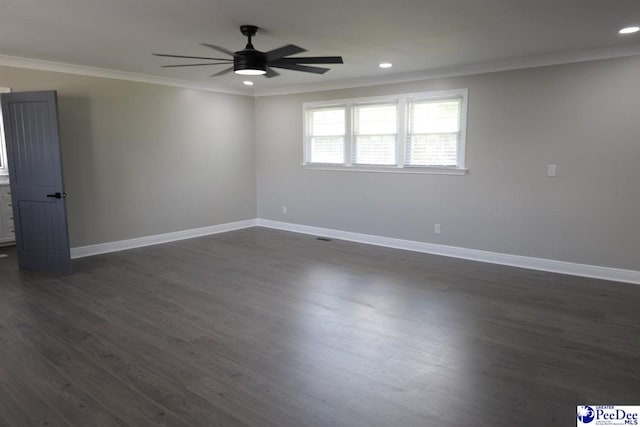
461 70
61 67
454 71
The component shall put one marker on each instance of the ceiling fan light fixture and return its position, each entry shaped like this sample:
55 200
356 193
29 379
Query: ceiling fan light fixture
629 30
249 62
385 65
250 72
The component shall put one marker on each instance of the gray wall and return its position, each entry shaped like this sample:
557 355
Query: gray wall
583 117
143 159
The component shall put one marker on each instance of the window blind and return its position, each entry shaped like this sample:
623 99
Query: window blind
375 130
433 133
421 132
326 130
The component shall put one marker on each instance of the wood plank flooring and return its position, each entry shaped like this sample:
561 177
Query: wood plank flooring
259 327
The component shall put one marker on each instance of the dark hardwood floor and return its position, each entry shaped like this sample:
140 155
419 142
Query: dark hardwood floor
267 328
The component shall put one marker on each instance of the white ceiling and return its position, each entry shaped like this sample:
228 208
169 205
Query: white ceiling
415 35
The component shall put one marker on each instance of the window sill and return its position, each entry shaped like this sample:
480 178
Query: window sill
4 179
387 169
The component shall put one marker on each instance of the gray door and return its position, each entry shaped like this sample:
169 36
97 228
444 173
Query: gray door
35 172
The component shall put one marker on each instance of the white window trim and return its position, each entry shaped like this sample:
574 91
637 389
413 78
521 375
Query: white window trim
307 137
401 100
352 133
4 169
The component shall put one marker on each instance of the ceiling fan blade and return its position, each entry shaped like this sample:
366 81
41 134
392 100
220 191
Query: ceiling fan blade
287 50
225 71
311 60
303 68
189 57
194 65
218 48
271 73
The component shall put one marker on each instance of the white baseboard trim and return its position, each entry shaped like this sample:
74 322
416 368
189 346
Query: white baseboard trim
121 245
563 267
574 269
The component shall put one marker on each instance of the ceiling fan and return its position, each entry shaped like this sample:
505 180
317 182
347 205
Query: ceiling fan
252 62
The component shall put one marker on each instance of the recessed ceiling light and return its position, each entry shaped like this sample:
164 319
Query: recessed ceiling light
629 30
385 65
247 83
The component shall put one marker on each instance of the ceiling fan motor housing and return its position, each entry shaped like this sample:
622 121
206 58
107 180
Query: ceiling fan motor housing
249 59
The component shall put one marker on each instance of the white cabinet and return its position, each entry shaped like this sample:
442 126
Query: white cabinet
7 231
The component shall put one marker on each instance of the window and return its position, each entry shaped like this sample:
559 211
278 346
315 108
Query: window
4 170
375 134
422 132
326 127
433 134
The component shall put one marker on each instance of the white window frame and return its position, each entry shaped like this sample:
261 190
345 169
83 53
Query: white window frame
402 101
307 137
4 167
351 136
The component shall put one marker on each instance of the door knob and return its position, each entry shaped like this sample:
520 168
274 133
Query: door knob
57 195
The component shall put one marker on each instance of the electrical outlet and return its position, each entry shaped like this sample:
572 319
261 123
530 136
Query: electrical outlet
436 228
285 210
552 170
